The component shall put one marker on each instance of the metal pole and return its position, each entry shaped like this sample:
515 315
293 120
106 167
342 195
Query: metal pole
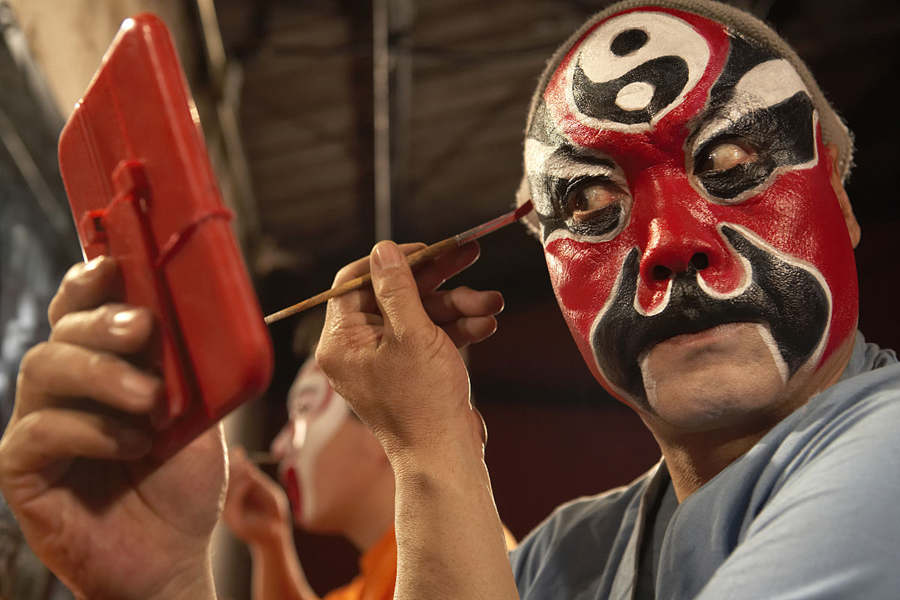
381 116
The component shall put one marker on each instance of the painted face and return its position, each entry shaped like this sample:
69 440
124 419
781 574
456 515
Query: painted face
681 183
315 414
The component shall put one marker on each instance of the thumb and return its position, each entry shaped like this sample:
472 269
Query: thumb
396 292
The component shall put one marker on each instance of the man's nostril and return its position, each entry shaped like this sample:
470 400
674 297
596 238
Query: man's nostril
700 261
661 273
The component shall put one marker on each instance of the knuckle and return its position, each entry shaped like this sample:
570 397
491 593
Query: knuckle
33 427
98 362
392 285
325 357
32 360
345 272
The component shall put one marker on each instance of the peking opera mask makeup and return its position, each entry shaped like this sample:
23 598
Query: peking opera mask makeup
681 180
315 413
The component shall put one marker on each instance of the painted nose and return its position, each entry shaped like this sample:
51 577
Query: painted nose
679 236
675 246
281 445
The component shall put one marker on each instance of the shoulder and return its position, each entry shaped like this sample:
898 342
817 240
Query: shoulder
823 519
592 529
856 414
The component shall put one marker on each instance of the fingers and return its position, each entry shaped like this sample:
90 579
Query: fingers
474 307
240 467
470 330
85 286
40 440
361 266
362 300
55 370
461 302
397 293
431 275
116 328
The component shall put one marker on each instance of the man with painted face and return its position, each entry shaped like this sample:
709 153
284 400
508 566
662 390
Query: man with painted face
338 480
686 173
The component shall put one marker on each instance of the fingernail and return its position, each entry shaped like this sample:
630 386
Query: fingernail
93 263
122 320
387 255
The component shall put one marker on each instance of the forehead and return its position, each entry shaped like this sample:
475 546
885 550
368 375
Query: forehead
643 79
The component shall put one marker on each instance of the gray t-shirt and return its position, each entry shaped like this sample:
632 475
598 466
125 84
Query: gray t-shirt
811 511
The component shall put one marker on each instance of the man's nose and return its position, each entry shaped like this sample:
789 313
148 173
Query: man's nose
680 235
676 245
281 445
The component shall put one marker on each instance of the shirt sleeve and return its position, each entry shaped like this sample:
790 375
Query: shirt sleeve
832 531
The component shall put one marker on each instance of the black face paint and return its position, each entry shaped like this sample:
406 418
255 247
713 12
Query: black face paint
667 74
787 298
542 128
556 189
742 57
782 135
628 42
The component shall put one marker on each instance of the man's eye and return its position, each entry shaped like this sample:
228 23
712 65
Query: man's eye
725 155
588 201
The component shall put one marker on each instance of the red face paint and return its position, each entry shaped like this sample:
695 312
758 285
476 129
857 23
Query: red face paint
291 484
315 414
681 182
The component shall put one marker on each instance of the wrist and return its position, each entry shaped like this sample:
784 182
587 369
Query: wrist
458 440
272 545
191 582
457 464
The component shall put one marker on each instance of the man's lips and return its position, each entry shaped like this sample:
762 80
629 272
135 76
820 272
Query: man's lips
706 336
291 484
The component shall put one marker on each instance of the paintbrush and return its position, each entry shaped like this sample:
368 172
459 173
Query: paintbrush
427 253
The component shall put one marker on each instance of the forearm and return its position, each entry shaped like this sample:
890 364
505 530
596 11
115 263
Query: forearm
277 573
450 541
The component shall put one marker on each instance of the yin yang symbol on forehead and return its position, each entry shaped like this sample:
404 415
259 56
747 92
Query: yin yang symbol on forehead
633 69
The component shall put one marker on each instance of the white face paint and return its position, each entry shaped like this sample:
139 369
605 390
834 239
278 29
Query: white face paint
614 53
315 413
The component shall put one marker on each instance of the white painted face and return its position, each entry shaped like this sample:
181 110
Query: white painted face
315 413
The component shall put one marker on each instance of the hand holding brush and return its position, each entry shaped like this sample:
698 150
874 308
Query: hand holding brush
420 256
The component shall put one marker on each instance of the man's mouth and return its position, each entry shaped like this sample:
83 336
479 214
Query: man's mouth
704 336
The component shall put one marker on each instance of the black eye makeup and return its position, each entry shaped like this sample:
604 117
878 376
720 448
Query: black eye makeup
751 148
584 194
594 206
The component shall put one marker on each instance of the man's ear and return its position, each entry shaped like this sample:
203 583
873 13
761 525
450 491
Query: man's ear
844 201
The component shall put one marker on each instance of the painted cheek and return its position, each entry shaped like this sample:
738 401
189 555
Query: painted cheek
582 275
799 215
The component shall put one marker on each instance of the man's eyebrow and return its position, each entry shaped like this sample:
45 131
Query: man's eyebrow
579 155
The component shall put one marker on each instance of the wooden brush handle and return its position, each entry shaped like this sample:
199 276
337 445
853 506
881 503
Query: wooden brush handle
413 259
